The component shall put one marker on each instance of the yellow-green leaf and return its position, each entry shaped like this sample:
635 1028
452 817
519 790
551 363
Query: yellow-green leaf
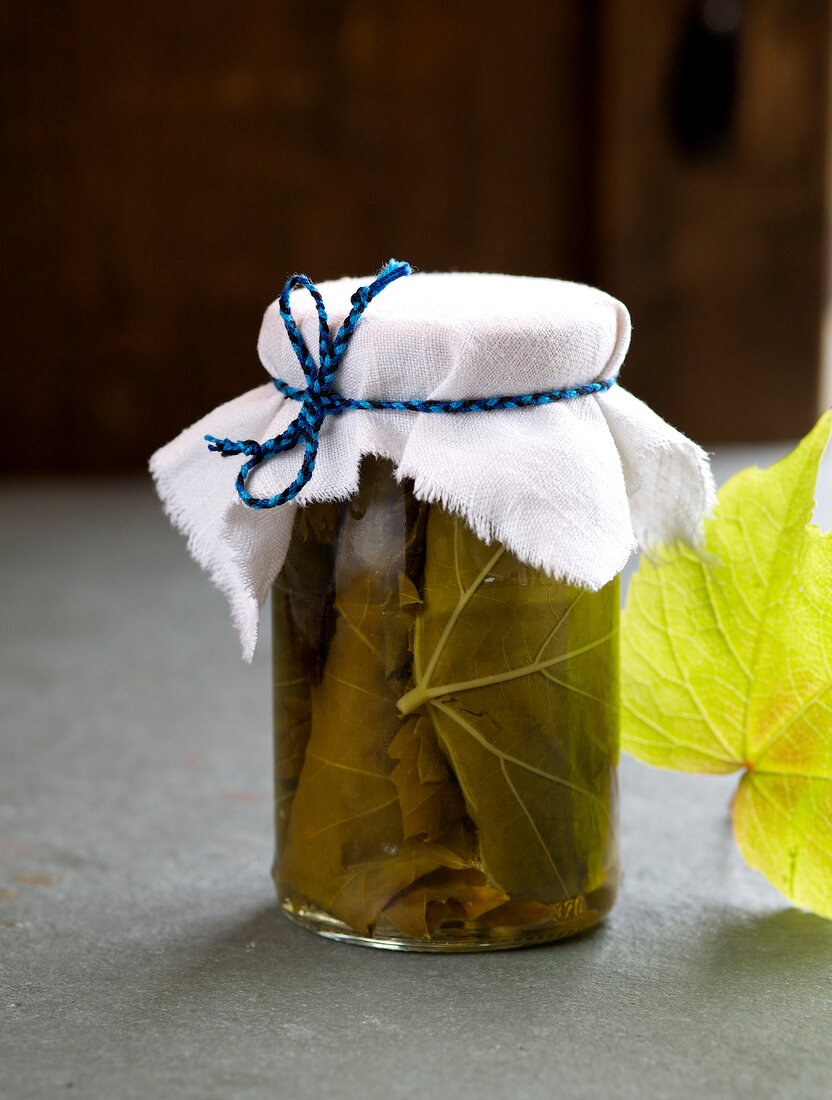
727 665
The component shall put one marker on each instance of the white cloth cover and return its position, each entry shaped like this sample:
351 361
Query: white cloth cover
570 487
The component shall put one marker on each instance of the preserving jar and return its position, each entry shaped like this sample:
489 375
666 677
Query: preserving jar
439 485
446 732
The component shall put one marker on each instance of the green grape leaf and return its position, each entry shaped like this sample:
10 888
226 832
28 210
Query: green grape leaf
442 895
727 665
366 804
302 626
529 743
427 805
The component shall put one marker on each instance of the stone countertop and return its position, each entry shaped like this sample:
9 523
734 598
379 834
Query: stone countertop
141 952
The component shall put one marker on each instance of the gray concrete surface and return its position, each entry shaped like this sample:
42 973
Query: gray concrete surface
141 954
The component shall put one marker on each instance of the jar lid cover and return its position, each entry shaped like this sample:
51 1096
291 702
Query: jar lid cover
569 486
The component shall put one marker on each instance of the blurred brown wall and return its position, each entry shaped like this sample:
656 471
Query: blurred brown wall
167 165
719 247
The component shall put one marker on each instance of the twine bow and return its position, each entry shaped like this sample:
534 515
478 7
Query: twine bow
316 402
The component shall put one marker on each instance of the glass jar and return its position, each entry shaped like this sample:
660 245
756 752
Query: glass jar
446 732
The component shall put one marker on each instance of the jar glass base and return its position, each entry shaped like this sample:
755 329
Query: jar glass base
449 939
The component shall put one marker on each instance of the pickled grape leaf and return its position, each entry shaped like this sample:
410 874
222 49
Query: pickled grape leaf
345 809
447 757
440 896
359 830
302 625
430 799
489 643
727 665
592 713
292 708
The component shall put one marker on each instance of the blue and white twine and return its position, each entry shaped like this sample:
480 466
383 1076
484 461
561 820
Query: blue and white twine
318 401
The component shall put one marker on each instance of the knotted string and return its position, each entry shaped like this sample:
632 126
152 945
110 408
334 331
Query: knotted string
318 401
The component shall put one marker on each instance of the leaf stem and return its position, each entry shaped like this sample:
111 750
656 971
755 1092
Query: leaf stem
423 694
416 696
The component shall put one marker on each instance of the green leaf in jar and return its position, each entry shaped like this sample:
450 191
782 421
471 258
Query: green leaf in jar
501 665
443 895
344 849
359 830
302 626
429 796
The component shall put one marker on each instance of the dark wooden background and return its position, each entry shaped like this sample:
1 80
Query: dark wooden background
167 165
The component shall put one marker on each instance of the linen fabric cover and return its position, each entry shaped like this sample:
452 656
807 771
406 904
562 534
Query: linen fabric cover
571 487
